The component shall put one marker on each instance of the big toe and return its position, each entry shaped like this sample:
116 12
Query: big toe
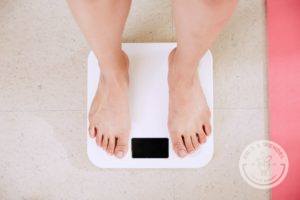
92 131
202 137
207 129
121 146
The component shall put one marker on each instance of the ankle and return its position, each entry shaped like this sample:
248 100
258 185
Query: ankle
180 81
114 65
186 57
115 75
181 72
116 57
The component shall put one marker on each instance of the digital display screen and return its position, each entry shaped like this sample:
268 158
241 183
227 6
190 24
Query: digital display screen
150 147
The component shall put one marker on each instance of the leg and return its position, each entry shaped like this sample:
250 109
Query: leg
197 23
102 22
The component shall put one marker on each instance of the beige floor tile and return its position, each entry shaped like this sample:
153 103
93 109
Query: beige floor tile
42 57
44 153
149 21
43 77
44 54
240 59
44 157
45 62
220 179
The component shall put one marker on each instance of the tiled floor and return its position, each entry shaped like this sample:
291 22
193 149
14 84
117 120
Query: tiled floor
42 106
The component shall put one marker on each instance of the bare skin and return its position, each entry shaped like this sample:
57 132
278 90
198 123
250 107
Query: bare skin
102 22
197 23
189 115
109 114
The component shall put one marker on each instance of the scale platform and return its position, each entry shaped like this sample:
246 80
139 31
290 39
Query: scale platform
149 142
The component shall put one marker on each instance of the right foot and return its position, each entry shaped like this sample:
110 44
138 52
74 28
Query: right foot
189 114
109 113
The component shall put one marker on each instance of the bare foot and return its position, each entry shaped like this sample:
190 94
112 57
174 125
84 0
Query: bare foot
109 114
189 115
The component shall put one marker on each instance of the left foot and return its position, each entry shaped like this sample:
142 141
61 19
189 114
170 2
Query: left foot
189 115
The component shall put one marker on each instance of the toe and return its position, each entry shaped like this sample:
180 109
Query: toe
121 146
188 143
207 128
104 142
111 145
178 145
201 137
99 139
92 131
98 136
195 141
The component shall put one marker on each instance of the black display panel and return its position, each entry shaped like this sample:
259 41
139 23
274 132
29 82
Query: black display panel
150 147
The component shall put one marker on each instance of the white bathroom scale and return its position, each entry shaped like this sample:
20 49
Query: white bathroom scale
149 142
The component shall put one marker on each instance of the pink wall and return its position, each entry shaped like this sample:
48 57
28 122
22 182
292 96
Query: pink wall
283 18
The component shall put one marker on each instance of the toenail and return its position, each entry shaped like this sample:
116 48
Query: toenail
120 154
182 153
